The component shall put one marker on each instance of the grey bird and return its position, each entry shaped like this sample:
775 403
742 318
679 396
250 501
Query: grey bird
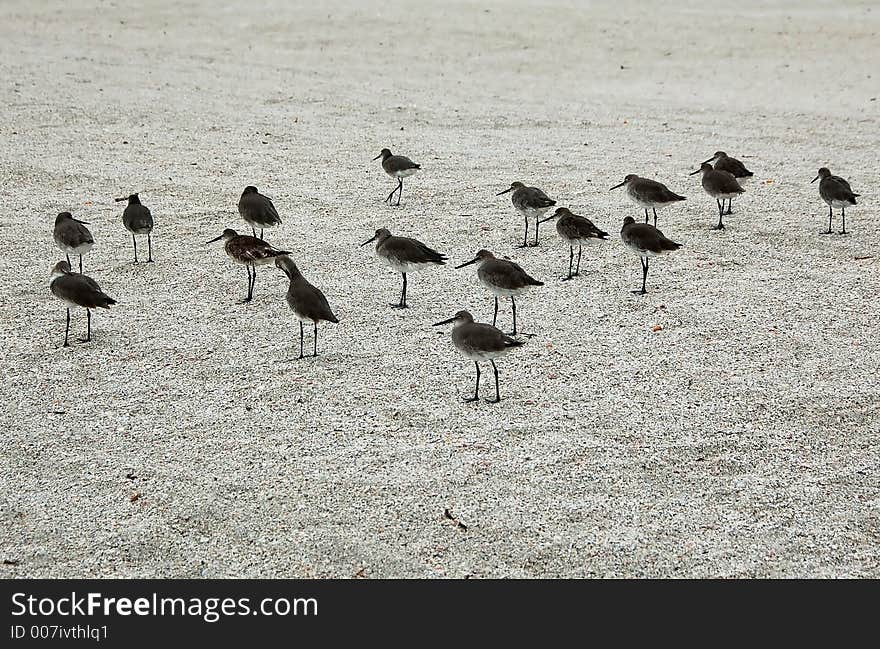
648 194
720 185
724 162
531 202
477 342
249 252
575 230
257 210
137 219
398 167
72 236
77 291
404 255
503 278
836 192
646 241
307 302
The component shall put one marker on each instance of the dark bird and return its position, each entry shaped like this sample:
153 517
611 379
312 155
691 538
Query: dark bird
646 241
477 342
257 210
503 278
398 167
648 194
836 192
531 202
72 236
575 230
250 252
404 255
724 162
307 302
137 219
77 291
720 185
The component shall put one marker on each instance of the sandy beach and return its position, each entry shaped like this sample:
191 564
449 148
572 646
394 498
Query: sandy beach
723 425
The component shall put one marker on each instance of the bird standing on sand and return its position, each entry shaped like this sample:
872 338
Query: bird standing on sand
503 278
575 230
399 167
257 210
477 341
77 291
646 241
404 255
720 185
531 202
250 252
137 219
72 237
307 302
836 192
724 162
648 194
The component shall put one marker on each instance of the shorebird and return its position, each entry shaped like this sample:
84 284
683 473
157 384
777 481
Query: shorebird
724 162
647 193
404 255
503 278
835 191
477 342
250 252
72 237
646 241
257 210
137 219
307 302
575 230
77 291
530 202
720 185
399 167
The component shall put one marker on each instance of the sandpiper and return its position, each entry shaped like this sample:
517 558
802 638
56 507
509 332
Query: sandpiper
646 241
720 185
530 202
307 302
137 219
724 162
77 291
835 191
72 236
250 252
404 255
478 341
647 193
503 278
257 210
575 230
399 167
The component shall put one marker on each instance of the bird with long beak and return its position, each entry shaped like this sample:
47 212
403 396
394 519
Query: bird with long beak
477 342
398 167
575 229
836 192
648 194
306 301
646 241
72 237
404 255
720 185
724 162
531 202
77 291
250 252
137 219
503 278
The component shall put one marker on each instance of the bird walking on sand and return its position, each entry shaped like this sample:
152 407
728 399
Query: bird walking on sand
72 237
648 194
307 302
503 278
77 291
477 342
258 211
404 255
836 192
724 162
531 202
646 241
250 252
720 185
137 219
399 167
575 230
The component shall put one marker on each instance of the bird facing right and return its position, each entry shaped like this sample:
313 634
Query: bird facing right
72 237
720 185
646 241
398 167
836 192
77 291
575 229
531 202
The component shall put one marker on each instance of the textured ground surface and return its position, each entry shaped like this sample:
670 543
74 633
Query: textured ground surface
739 440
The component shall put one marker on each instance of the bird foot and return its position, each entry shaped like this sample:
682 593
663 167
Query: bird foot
151 261
639 292
395 305
534 245
493 400
247 300
843 232
565 279
717 227
84 340
522 245
471 399
66 344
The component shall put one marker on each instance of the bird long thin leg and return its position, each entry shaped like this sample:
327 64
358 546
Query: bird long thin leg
645 277
577 270
67 329
253 282
301 339
497 389
402 303
654 209
570 262
830 215
399 189
646 215
149 248
720 225
254 231
476 396
729 206
261 234
247 298
134 241
513 304
537 223
495 315
843 220
315 349
525 242
390 196
88 326
68 258
80 264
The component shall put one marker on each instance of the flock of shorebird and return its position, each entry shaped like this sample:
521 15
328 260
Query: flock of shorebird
722 178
